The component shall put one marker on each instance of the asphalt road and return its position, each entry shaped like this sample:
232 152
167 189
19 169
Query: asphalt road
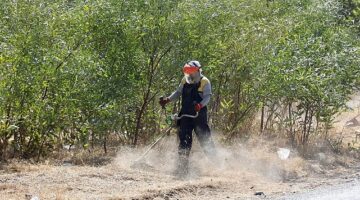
348 191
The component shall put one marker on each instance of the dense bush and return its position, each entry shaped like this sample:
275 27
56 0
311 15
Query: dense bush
75 72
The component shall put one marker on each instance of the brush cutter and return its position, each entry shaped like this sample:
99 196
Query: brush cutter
171 121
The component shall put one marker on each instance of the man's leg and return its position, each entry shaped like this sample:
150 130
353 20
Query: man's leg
203 134
185 143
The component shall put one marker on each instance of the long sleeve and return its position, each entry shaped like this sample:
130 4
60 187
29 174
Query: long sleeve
206 94
177 93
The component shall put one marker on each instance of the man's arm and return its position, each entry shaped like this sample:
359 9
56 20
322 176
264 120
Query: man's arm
175 95
206 94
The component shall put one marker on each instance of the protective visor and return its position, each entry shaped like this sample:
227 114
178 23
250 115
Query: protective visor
187 69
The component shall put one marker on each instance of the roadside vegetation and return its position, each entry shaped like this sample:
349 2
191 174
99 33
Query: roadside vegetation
89 73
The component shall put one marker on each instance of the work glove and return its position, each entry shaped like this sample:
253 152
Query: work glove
163 101
198 107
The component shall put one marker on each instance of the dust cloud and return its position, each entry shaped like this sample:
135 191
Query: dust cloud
231 161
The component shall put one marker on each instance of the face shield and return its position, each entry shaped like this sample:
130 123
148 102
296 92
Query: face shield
191 73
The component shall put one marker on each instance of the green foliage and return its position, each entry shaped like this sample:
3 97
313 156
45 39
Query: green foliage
74 72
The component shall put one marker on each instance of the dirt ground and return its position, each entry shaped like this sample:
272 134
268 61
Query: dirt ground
242 171
240 174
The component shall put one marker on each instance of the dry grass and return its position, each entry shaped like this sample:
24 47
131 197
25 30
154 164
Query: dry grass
93 157
243 169
7 187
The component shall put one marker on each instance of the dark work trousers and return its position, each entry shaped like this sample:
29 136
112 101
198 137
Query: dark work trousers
202 132
190 97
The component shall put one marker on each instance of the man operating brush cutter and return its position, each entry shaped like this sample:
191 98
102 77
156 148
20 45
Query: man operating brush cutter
195 92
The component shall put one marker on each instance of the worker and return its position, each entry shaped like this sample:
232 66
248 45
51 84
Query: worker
195 92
